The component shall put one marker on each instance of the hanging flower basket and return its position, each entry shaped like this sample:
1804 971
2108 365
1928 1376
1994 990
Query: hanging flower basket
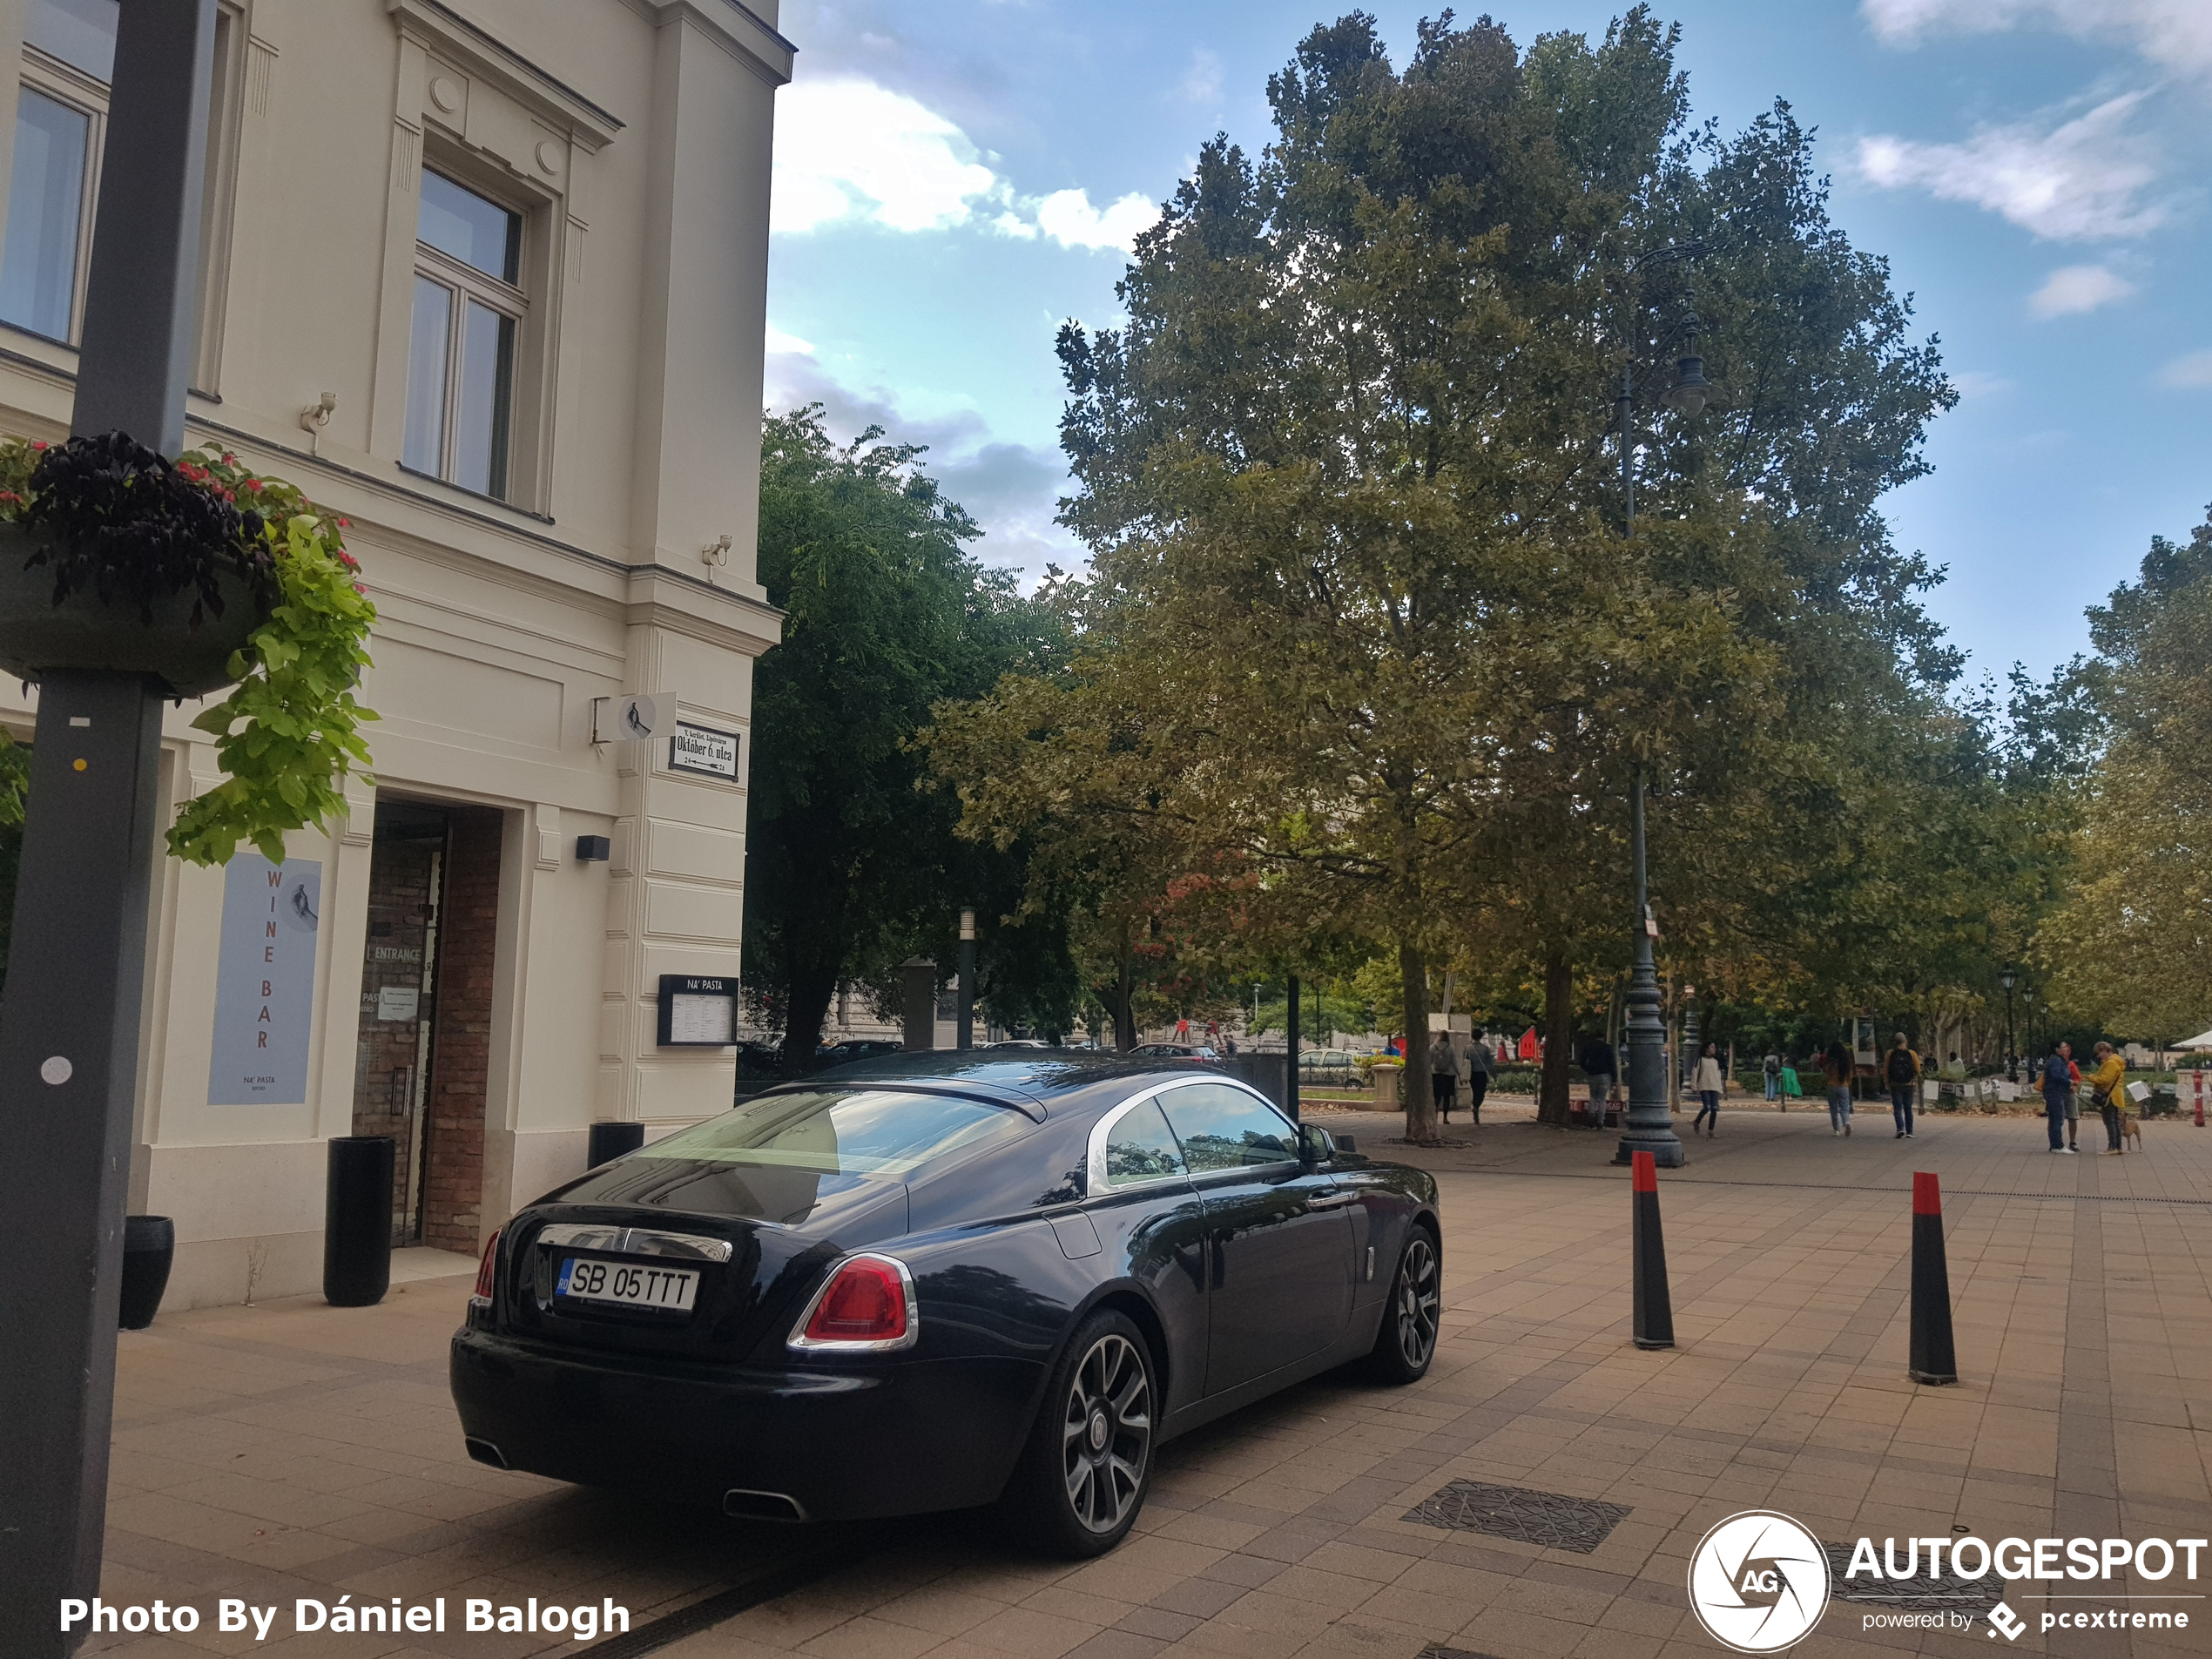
200 575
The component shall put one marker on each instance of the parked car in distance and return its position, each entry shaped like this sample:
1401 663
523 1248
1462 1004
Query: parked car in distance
1173 1051
936 1282
1331 1068
838 1054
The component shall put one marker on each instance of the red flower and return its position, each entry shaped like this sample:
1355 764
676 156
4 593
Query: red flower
349 562
345 524
38 443
358 588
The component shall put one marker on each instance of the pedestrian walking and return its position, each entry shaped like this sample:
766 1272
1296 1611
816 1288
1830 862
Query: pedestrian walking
2058 1096
1835 1069
1481 1068
2105 1085
1443 1074
1708 1083
1772 1066
1901 1071
1600 1067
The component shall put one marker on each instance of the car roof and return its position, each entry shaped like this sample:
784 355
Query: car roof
1026 1079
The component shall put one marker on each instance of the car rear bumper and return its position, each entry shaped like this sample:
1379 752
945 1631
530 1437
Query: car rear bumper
896 1438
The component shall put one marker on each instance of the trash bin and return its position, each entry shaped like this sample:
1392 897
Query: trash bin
357 1221
610 1140
149 1246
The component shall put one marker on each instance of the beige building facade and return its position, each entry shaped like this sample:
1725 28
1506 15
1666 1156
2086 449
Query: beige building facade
487 278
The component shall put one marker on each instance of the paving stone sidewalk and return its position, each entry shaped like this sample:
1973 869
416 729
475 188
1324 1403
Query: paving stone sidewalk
297 1450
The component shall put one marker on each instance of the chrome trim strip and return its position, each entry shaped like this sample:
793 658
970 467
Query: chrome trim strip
1094 1163
799 1342
635 1241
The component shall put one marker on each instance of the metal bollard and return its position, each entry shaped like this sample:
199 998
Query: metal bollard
1652 1322
1933 1359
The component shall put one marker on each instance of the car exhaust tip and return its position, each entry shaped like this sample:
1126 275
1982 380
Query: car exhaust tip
485 1451
742 1504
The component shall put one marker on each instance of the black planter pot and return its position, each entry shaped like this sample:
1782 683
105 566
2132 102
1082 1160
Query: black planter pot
36 635
611 1140
149 1246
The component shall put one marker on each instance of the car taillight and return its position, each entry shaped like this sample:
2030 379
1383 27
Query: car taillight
867 1305
487 1270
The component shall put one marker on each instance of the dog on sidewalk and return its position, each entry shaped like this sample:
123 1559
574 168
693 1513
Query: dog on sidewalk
2131 1128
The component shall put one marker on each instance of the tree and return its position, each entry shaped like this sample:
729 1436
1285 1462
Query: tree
851 867
2131 946
1361 620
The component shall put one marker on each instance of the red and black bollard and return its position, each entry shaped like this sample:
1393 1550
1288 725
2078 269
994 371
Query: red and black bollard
1934 1357
1654 1318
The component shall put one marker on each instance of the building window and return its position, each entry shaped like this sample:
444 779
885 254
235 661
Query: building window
61 126
460 353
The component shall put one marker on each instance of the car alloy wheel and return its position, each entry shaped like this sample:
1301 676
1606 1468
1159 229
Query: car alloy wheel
1106 1433
1415 1301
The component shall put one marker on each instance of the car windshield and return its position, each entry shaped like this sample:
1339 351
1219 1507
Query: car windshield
843 1132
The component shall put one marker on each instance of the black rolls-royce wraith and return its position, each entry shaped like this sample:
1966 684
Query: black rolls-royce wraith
929 1282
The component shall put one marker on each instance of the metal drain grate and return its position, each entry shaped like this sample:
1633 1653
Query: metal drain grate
1551 1519
1920 1592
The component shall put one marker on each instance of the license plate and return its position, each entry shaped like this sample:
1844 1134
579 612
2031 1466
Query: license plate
628 1285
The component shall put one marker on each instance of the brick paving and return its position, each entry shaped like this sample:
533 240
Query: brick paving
297 1450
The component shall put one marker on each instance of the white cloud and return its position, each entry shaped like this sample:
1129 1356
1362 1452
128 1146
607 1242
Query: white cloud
2073 289
1976 383
2193 373
2176 33
2079 182
1068 217
1201 83
780 342
850 149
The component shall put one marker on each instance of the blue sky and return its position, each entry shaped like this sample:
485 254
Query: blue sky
954 177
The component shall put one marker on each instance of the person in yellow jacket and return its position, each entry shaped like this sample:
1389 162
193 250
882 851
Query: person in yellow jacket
2106 1084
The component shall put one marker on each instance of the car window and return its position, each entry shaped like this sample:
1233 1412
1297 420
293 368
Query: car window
858 1132
1141 1147
1225 1128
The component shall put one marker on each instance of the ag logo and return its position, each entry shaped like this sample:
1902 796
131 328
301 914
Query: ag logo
1758 1583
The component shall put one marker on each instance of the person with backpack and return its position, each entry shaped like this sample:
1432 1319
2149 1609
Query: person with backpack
1835 1069
1901 1071
1600 1067
1443 1074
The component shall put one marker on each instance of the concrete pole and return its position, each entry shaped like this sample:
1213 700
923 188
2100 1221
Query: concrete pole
69 1031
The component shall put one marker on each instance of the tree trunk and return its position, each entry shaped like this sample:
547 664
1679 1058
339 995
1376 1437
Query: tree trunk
809 1004
1420 1099
1124 1021
1559 1038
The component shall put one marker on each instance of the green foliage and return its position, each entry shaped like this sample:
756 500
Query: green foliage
852 867
2131 946
289 732
1363 644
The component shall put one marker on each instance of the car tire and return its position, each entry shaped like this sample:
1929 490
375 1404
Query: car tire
1405 1345
1084 1474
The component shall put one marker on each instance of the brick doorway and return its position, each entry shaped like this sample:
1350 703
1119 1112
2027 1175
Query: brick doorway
424 1042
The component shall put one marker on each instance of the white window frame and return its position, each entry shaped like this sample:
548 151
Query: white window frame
66 83
465 282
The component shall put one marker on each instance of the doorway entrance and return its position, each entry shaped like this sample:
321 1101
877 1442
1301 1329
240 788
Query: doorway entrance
419 1073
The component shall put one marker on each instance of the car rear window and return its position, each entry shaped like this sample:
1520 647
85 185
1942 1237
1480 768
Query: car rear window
844 1131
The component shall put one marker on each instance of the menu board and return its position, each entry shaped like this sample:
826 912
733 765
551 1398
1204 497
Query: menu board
264 982
697 1011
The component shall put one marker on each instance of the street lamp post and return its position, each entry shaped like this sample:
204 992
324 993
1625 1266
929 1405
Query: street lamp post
1649 1127
966 1029
2007 979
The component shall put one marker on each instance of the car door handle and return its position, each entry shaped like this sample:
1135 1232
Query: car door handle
1331 1200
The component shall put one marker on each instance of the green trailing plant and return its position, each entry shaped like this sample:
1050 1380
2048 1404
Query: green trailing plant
129 524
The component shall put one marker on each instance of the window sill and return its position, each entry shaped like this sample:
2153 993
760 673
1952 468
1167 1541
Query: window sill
467 494
63 370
